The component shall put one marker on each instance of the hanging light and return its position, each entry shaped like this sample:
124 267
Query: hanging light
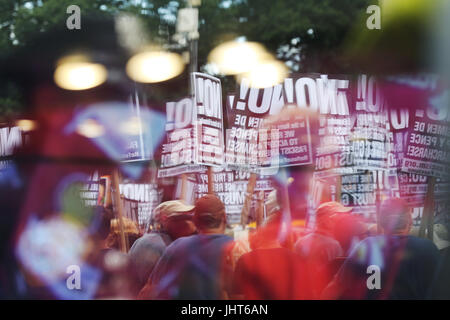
265 74
26 125
154 66
77 73
235 57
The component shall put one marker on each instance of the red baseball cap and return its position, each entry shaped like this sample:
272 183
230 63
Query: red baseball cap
331 208
209 205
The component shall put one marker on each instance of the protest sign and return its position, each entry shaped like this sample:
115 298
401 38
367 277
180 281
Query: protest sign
333 140
208 120
248 110
90 190
358 191
139 200
422 106
399 123
371 144
360 138
231 186
10 139
413 188
428 140
179 147
361 190
241 149
285 139
364 191
194 129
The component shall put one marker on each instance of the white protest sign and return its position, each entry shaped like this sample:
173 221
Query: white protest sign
208 122
427 151
179 149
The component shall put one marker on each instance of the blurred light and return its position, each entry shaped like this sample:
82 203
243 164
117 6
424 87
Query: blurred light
151 67
130 31
237 57
115 260
290 180
90 129
195 3
266 74
392 10
76 73
26 125
132 127
47 247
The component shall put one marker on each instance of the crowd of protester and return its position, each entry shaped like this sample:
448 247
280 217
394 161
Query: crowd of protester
189 253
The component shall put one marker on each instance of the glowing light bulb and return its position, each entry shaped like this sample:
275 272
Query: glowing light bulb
235 57
152 67
26 125
73 74
265 74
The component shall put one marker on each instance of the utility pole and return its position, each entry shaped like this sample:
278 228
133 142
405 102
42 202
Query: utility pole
187 26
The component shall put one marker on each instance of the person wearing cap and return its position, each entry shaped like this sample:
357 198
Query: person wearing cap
402 266
173 219
319 248
192 267
256 277
349 229
320 245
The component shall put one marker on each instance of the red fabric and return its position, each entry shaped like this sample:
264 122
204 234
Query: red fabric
272 274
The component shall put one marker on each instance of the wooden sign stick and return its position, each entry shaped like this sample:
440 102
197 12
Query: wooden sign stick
428 211
338 188
210 181
248 199
123 246
183 187
260 209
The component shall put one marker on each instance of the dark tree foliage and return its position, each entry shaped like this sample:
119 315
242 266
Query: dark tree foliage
306 34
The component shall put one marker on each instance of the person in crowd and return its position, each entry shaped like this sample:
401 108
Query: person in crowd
320 245
275 216
194 267
394 265
270 271
441 237
116 280
131 232
319 248
173 219
441 284
349 229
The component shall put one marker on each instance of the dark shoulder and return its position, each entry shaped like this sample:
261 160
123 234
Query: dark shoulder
421 243
150 238
182 242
